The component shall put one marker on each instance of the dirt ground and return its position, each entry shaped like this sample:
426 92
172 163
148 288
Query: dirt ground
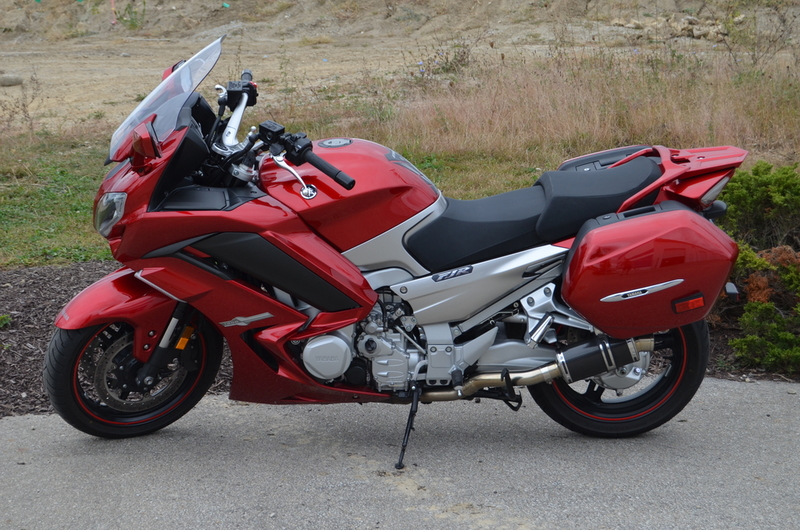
90 64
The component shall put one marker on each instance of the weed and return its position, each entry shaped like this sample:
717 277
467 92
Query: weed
316 40
21 108
5 321
132 16
754 32
346 9
270 9
445 56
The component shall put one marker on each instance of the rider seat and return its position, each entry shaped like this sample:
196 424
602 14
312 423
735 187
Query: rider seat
551 210
472 231
572 197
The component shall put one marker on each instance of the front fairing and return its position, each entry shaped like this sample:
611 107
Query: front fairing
165 101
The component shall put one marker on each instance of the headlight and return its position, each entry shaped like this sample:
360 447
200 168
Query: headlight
108 212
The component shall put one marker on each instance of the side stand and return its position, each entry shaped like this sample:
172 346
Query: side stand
416 391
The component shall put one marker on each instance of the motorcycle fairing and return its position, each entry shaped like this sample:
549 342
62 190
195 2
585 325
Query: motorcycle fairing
388 193
121 297
459 297
265 375
249 253
388 250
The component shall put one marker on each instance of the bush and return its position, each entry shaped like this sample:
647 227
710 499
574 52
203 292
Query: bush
771 338
764 213
764 206
771 320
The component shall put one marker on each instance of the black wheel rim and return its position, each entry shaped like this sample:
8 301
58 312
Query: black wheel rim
593 401
106 364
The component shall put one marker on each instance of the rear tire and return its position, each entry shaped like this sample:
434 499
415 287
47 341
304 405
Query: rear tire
85 370
675 373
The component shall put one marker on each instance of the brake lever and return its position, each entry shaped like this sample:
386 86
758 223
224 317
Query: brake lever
308 191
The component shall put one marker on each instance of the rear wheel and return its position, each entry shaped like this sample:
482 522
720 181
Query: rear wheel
607 407
89 375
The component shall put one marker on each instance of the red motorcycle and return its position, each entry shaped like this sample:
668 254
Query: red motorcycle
337 272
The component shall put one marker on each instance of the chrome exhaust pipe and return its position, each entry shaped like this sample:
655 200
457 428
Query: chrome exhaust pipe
579 361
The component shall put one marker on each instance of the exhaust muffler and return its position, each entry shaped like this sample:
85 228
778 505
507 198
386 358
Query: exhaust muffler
576 362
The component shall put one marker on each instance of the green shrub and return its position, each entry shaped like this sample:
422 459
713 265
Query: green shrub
764 206
764 213
770 323
771 338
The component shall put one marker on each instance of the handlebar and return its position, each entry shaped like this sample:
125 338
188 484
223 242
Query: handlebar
298 151
340 177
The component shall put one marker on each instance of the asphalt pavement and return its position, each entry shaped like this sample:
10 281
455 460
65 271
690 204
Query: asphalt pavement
731 459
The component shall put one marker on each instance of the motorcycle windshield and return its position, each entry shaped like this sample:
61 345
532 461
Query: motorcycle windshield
166 101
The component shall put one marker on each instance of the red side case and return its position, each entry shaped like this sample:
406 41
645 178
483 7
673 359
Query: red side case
647 270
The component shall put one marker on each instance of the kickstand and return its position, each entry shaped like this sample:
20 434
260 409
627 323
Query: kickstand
514 400
415 392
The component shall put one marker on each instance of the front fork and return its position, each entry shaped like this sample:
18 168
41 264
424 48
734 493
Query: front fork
173 344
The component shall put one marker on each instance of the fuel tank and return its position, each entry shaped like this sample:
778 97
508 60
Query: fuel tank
647 270
388 191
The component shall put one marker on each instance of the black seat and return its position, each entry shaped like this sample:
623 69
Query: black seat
469 232
572 197
551 210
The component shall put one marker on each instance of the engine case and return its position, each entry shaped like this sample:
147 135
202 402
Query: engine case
327 356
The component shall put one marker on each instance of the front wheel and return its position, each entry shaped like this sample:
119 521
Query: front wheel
88 376
598 407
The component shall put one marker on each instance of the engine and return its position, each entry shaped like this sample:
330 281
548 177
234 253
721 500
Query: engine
384 349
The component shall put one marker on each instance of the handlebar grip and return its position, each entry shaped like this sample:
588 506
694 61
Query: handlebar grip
339 176
247 75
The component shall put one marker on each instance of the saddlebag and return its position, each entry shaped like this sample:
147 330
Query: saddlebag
647 270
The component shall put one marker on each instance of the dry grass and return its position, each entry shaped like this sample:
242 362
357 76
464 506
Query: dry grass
573 103
514 116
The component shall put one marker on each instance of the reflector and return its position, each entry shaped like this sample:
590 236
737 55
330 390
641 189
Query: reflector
694 301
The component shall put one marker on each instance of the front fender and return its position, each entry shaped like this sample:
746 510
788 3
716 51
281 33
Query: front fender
121 297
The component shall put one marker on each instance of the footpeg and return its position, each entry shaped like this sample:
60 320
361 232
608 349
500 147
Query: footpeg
539 330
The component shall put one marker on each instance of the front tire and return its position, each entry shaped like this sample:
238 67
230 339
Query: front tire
87 374
676 371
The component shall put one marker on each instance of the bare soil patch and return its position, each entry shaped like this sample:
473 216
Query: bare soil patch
92 64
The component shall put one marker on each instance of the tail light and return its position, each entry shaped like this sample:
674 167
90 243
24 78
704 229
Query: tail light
711 195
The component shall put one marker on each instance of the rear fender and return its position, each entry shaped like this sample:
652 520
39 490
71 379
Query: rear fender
121 297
